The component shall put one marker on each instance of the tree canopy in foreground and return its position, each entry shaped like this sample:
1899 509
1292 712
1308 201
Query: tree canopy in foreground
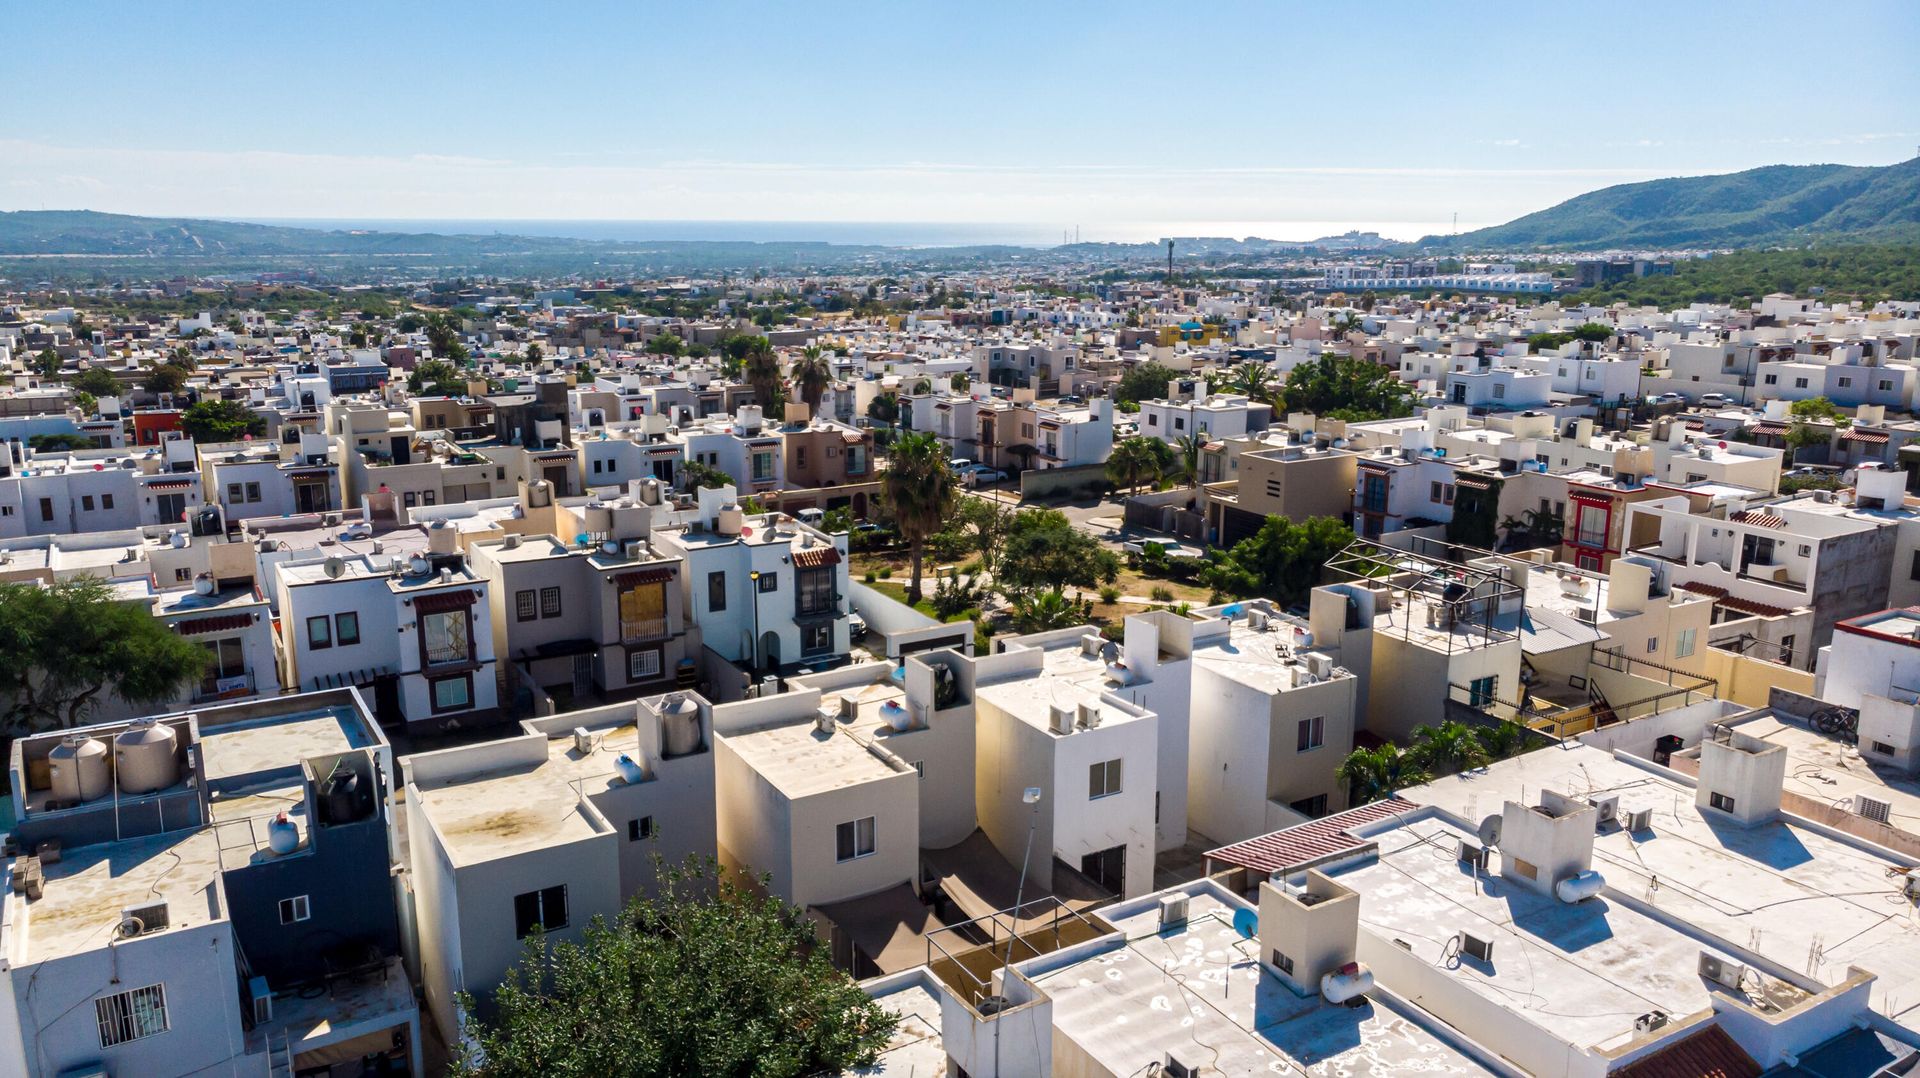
67 648
709 978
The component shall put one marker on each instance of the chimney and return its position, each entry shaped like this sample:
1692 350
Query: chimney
1740 777
1544 844
1308 931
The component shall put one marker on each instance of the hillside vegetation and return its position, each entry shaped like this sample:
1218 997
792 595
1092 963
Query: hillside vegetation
1866 274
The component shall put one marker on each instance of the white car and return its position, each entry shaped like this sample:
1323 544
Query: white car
1715 400
959 465
980 473
1169 549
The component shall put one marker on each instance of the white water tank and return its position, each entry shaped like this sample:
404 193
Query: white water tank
729 520
442 538
1579 886
144 757
78 768
1350 981
283 835
203 584
679 726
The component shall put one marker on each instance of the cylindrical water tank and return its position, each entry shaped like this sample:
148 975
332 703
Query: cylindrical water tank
1580 886
679 726
631 771
442 538
895 715
1348 982
729 520
78 766
144 757
283 836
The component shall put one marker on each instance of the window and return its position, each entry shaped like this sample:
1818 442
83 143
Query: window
86 503
1845 382
1720 801
106 501
445 636
1886 385
643 664
1772 379
1683 643
228 660
1499 391
1786 648
769 582
1653 645
716 592
46 509
549 602
453 693
816 638
129 1016
1592 529
1179 423
813 590
294 910
1799 383
1103 780
1806 550
346 629
1913 573
1882 748
1481 690
1312 734
1153 420
1283 963
920 767
1315 806
545 910
640 830
182 576
643 612
853 839
762 467
523 609
319 632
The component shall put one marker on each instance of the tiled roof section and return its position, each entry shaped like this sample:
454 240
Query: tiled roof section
443 601
1703 589
1709 1053
815 557
1473 482
657 574
1774 429
1871 437
1310 842
219 623
1760 517
1748 606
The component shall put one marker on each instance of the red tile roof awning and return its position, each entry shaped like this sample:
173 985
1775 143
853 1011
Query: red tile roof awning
441 601
170 484
223 623
1774 429
1760 517
1709 590
655 575
1708 1053
1748 606
1869 437
1308 843
816 557
1473 482
1591 499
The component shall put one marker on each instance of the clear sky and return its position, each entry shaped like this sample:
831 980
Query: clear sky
1115 116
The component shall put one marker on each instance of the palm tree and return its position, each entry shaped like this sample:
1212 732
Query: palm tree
1188 452
1253 379
1450 748
1131 461
1046 611
917 489
1371 774
811 375
1502 739
763 372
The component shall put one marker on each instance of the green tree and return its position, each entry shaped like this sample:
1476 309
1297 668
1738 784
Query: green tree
1502 739
884 408
183 358
1346 388
47 363
535 353
1043 550
738 346
1134 460
709 978
68 648
917 493
1186 456
1144 382
98 381
811 376
666 344
985 521
1253 379
1372 774
1281 561
1449 748
437 378
762 367
88 404
1816 408
444 335
695 475
219 420
1047 610
166 378
959 382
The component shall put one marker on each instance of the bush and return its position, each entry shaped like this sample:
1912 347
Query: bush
887 573
1109 594
1162 593
872 576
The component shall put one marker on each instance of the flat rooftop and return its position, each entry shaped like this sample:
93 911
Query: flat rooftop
1199 993
87 889
1268 660
1783 891
516 809
801 761
1829 770
277 742
915 1049
1031 698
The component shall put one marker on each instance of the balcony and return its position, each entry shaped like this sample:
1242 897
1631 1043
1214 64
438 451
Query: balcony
224 688
640 629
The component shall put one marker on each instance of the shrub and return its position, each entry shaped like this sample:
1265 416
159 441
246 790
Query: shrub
1109 594
1162 593
872 576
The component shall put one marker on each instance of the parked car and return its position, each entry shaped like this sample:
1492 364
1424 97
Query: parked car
1666 398
1167 547
856 626
980 473
1715 400
959 464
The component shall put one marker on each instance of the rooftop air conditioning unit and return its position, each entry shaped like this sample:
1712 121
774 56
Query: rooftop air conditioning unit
1173 1068
262 998
1173 911
1650 1021
1606 809
140 920
1060 719
582 740
1722 972
1087 715
1476 948
1872 808
1319 665
1472 854
1639 820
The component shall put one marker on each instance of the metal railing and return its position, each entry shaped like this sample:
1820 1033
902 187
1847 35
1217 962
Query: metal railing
1004 937
643 628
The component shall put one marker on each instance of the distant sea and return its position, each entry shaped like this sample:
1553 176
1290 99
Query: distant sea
883 233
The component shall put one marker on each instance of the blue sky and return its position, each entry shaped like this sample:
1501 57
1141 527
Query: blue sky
1115 115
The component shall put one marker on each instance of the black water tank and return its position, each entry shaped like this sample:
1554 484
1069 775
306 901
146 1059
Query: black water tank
1665 746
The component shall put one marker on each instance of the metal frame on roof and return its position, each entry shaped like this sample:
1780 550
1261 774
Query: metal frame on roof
1453 583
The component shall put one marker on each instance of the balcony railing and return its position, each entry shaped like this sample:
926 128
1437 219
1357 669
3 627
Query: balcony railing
224 688
643 628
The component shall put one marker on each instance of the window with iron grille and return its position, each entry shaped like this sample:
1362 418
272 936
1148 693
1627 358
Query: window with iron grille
131 1015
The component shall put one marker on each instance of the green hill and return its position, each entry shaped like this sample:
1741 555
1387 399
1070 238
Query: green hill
1777 204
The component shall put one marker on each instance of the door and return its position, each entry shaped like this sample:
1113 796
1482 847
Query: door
558 477
770 650
1108 868
310 498
582 675
1755 548
170 508
386 700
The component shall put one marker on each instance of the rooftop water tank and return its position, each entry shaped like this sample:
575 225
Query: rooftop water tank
729 520
144 757
679 726
283 835
78 766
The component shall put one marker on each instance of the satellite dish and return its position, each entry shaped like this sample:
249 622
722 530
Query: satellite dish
1490 832
335 567
1246 922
